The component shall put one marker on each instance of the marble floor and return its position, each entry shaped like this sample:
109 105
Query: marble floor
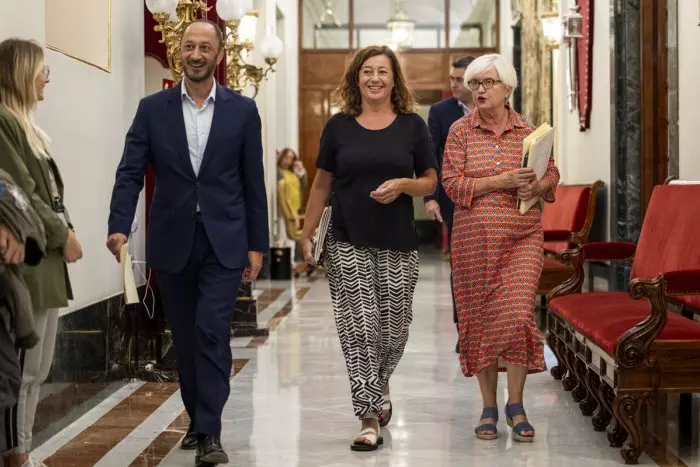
290 407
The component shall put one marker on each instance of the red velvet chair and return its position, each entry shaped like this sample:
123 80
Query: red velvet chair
615 350
566 223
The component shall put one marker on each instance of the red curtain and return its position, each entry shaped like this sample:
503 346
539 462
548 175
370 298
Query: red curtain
585 64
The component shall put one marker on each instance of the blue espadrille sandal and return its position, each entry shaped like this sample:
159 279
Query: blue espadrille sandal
512 411
482 430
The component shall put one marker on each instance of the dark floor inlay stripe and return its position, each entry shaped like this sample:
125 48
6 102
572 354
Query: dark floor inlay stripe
267 297
97 440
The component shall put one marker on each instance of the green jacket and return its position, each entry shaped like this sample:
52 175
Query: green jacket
48 283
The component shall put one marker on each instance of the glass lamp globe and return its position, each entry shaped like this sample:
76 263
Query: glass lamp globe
233 10
551 27
271 47
162 6
248 27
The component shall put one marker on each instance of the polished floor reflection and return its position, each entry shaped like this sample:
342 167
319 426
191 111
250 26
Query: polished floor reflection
290 407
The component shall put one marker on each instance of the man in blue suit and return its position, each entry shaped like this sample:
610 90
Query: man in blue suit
208 222
440 118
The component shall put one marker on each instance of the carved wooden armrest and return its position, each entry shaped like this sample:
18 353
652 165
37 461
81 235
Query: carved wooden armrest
596 251
631 347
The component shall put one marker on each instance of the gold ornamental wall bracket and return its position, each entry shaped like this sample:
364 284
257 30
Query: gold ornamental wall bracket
239 46
173 16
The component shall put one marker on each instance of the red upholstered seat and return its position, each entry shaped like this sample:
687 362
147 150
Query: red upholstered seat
603 316
567 215
669 237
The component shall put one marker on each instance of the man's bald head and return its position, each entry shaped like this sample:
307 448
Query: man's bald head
201 50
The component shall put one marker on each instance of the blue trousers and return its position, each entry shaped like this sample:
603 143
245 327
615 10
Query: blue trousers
198 302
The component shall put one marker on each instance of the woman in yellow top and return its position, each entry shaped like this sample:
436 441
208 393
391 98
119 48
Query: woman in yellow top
289 186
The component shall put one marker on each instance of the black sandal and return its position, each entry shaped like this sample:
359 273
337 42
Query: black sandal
367 433
388 409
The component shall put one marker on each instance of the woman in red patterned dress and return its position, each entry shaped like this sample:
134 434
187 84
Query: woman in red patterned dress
497 253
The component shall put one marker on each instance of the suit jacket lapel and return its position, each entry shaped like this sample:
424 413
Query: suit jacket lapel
218 124
176 121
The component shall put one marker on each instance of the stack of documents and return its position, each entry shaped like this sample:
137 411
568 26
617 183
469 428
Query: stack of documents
537 149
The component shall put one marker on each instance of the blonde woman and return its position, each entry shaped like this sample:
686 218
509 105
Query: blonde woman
24 154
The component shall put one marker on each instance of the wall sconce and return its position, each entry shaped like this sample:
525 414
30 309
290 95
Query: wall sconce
241 24
572 25
173 16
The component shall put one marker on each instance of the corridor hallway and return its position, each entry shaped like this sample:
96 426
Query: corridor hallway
290 405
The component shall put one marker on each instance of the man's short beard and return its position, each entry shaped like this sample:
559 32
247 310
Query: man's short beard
205 77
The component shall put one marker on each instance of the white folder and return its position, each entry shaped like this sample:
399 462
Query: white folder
131 295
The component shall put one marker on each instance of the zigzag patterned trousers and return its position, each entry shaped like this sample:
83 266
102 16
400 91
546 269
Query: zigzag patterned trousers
372 296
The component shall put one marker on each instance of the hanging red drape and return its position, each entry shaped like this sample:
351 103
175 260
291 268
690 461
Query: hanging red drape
584 59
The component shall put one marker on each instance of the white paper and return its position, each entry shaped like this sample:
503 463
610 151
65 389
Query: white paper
538 159
131 295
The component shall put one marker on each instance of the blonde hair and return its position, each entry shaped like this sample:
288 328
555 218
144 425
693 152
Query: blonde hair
20 65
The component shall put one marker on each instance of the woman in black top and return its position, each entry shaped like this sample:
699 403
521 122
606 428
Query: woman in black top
368 157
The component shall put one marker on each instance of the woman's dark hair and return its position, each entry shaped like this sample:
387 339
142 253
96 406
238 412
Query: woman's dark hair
348 96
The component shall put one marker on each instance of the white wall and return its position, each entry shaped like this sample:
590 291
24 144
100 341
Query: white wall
278 97
87 113
584 157
689 90
154 75
505 30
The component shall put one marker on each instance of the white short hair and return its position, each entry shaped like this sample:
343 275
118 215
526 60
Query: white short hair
482 64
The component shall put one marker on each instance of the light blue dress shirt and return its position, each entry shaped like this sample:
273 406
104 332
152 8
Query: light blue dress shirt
197 125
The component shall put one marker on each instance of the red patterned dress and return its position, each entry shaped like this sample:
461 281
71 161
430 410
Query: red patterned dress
497 253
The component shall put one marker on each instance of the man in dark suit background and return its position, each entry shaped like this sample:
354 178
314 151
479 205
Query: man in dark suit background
440 118
208 223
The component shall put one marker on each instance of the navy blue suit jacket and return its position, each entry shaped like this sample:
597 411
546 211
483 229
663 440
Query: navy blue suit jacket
230 186
440 118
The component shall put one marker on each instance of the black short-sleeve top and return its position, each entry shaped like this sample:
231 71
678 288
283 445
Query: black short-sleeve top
360 161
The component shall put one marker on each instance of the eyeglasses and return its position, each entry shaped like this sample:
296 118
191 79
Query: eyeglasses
47 71
487 83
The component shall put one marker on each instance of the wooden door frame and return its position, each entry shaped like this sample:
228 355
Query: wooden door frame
444 56
654 97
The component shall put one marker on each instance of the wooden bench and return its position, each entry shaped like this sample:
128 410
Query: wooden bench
566 223
616 350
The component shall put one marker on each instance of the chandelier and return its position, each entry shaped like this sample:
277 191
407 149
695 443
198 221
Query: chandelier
400 28
173 16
